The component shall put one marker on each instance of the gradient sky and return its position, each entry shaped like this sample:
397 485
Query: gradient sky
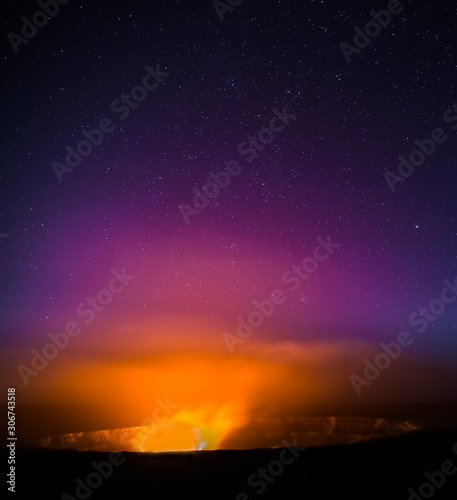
322 176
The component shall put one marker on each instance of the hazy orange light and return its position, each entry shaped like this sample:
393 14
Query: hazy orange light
187 392
209 397
172 436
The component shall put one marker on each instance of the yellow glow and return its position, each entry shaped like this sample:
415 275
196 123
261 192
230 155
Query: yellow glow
171 436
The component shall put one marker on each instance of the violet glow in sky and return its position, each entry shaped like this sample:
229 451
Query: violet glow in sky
320 177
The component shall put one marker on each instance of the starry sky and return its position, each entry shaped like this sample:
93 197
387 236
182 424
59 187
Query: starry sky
216 81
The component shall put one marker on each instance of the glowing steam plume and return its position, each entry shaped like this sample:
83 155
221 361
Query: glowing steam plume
207 400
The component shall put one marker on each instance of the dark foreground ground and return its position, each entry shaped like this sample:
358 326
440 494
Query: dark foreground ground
382 469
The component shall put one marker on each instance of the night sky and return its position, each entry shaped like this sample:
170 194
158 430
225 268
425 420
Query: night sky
311 132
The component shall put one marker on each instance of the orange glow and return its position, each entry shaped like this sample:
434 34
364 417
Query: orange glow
172 437
180 401
187 392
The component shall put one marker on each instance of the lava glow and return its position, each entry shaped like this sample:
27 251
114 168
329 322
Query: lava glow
181 402
172 437
186 431
202 399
